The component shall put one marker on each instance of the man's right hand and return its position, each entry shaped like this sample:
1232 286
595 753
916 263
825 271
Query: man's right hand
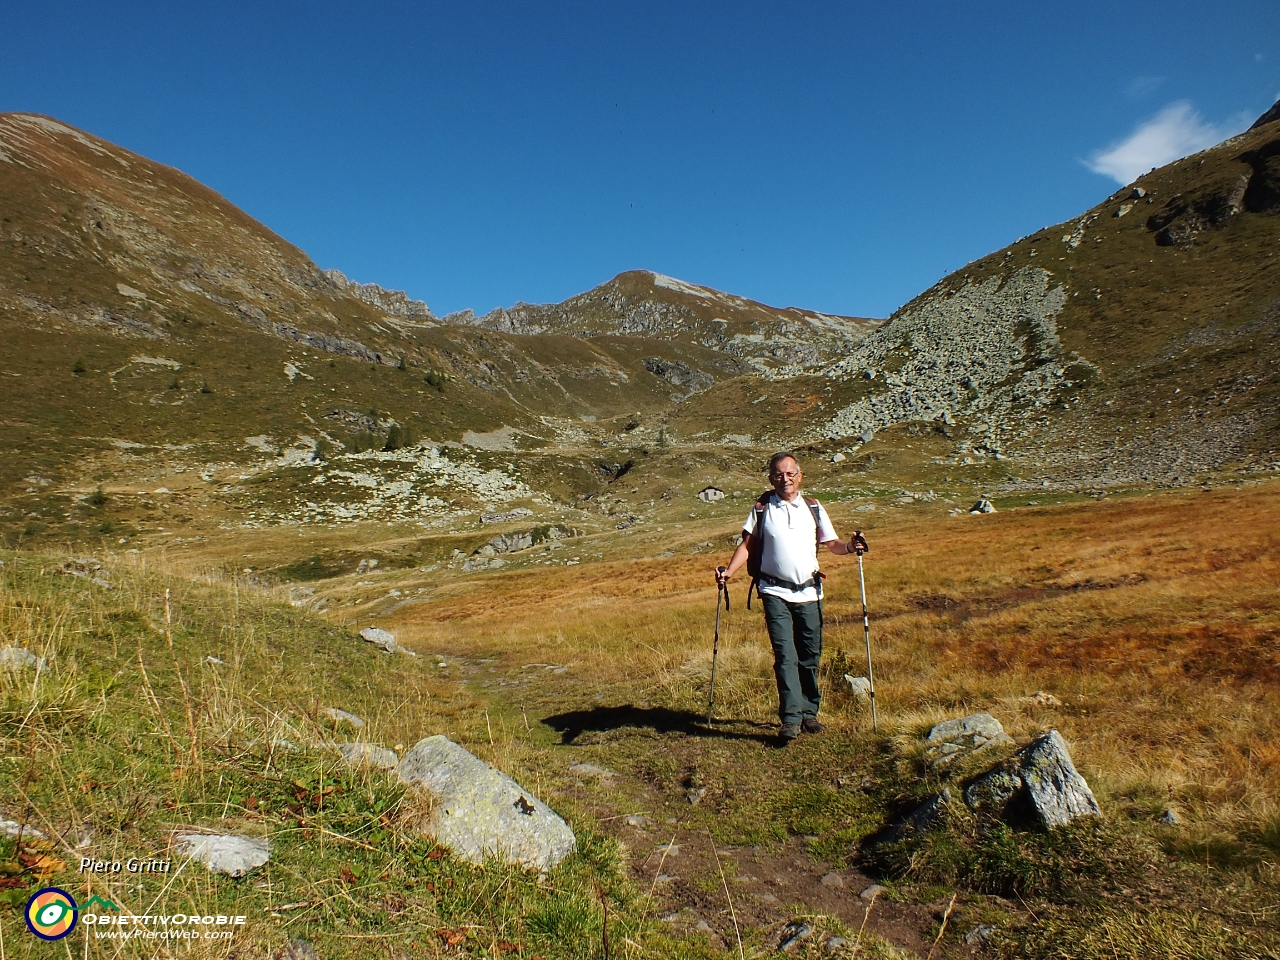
722 576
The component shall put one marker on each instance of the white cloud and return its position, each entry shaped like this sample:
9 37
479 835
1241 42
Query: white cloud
1140 87
1174 132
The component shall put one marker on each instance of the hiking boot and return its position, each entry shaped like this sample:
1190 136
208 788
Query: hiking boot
812 725
788 732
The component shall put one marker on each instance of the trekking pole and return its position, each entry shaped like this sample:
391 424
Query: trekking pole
722 591
860 547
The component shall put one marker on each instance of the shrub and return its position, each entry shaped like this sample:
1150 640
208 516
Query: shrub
436 380
78 367
97 498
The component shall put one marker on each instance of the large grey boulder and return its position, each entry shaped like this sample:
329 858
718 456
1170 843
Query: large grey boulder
952 740
224 852
483 813
1041 778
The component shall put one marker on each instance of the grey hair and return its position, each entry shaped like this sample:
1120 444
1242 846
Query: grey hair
778 457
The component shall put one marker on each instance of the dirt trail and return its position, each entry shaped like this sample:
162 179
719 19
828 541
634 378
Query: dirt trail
648 776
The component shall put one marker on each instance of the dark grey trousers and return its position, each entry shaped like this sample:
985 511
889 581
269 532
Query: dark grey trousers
795 630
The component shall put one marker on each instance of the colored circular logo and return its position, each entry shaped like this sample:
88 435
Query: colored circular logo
51 913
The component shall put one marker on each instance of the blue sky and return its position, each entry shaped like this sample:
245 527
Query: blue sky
837 156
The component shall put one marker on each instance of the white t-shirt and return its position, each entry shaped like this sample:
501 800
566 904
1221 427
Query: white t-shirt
790 547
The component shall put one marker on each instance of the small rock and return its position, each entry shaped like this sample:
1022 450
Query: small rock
952 739
590 771
983 506
668 850
380 638
837 457
215 661
11 828
869 373
367 754
867 435
833 944
225 853
793 934
833 880
979 934
860 687
296 950
872 892
16 658
1138 193
1170 818
364 566
637 820
703 927
341 716
1042 699
695 794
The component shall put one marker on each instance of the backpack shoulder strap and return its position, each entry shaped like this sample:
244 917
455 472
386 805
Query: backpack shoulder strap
816 509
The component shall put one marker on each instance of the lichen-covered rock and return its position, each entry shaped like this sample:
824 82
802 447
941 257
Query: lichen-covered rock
224 852
950 740
993 791
481 812
367 754
1058 792
1039 780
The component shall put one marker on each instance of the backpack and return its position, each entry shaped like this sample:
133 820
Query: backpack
755 547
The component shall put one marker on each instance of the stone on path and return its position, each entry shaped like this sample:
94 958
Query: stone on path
16 658
224 852
380 638
979 934
481 812
832 880
341 716
367 754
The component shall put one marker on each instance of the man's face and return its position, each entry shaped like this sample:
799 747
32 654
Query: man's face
786 478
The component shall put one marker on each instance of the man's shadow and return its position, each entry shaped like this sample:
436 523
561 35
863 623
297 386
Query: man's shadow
573 724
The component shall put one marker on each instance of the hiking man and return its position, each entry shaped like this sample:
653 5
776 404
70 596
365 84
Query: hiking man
783 531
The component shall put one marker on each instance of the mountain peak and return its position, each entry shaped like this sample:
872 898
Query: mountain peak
1269 117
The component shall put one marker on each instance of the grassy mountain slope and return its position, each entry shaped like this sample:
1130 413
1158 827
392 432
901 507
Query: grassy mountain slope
1149 350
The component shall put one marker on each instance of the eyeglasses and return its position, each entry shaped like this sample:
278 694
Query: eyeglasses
780 475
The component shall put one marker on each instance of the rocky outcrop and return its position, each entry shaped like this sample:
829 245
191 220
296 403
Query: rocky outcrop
987 349
679 375
393 302
480 812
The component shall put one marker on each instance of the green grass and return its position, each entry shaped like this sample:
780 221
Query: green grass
98 745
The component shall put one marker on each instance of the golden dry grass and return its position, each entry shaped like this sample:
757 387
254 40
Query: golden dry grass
1155 621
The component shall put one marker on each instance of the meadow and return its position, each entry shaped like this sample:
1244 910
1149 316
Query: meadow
1144 628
